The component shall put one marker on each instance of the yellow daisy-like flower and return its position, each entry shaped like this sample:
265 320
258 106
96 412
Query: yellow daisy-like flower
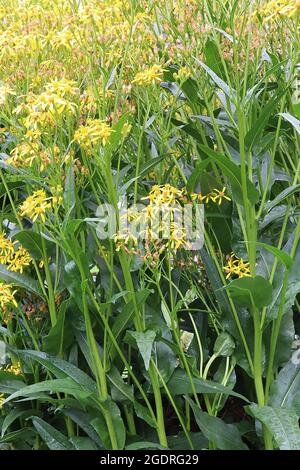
14 369
20 260
275 8
5 91
124 240
183 74
36 206
93 133
177 237
237 267
7 296
149 76
218 195
164 194
2 398
62 87
7 249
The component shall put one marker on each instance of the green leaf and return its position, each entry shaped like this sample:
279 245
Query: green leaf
69 190
280 254
180 384
33 243
20 280
83 420
249 291
12 185
126 314
292 120
224 345
233 173
224 436
66 385
144 341
83 443
143 413
212 57
231 93
100 427
13 415
194 178
53 438
146 167
293 286
215 280
116 137
118 425
125 390
141 445
282 196
262 120
285 390
20 435
61 369
189 129
10 386
180 442
53 342
282 424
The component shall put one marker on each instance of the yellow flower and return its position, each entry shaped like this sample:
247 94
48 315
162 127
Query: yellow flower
237 267
15 260
183 74
275 8
2 398
7 296
177 237
218 195
125 240
93 133
5 90
20 261
14 369
36 206
24 155
7 249
149 76
164 194
62 87
45 109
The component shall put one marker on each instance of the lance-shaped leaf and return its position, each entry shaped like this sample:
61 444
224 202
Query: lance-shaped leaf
282 424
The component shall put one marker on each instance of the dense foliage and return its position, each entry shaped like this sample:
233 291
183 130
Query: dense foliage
131 343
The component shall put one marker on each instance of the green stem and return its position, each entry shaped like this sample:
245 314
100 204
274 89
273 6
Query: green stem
158 404
51 295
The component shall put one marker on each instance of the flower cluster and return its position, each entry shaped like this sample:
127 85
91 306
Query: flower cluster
44 110
236 267
275 8
150 76
161 222
164 194
7 296
36 206
15 258
95 132
2 399
217 196
14 369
